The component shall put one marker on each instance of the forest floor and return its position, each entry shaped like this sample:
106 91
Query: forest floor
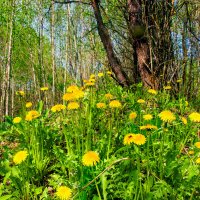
101 141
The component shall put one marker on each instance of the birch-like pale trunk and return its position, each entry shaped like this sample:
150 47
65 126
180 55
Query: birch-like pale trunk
42 81
12 96
53 49
6 84
67 45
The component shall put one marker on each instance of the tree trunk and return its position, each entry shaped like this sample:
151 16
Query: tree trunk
53 49
6 83
184 48
12 96
67 46
42 81
140 44
107 43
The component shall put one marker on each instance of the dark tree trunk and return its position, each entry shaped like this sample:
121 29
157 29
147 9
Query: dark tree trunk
107 43
140 44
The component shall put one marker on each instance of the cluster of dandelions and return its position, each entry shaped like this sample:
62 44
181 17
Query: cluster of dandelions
138 139
91 158
112 103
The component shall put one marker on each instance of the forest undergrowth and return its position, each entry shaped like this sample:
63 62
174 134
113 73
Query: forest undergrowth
102 142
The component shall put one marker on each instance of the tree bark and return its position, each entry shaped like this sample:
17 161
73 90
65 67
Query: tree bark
140 44
7 74
67 45
12 96
42 80
53 49
107 43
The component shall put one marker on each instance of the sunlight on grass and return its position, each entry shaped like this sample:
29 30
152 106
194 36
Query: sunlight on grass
100 141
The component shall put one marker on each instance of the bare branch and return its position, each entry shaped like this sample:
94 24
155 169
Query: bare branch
68 1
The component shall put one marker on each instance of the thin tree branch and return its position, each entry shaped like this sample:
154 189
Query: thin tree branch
67 1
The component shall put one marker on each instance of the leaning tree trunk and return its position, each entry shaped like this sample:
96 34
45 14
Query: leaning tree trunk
107 43
140 44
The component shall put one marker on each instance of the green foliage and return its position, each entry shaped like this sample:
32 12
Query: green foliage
163 167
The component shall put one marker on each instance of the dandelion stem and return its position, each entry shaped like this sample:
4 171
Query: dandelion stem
106 169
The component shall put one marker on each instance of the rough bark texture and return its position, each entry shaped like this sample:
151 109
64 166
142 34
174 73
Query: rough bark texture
140 44
107 43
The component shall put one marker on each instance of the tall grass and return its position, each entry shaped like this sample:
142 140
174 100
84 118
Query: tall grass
158 160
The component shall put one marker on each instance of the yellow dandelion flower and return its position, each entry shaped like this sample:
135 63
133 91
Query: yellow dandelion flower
33 114
152 91
73 106
194 117
147 117
28 117
20 93
148 127
78 94
89 83
179 81
191 152
72 88
17 120
197 144
139 139
132 115
92 76
109 72
108 96
91 158
128 139
100 74
101 105
63 192
115 104
69 97
198 160
20 157
58 108
44 88
92 80
167 116
28 104
73 92
141 101
168 87
184 120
